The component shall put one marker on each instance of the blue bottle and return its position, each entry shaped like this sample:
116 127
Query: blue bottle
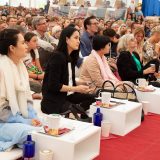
97 118
29 149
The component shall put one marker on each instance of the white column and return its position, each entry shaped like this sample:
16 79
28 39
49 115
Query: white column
29 3
9 3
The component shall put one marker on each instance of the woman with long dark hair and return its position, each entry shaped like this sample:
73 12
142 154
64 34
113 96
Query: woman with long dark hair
59 87
32 62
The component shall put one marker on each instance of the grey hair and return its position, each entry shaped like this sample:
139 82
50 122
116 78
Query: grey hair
123 42
36 21
21 29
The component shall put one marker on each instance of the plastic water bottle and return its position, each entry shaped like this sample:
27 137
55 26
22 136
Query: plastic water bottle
29 149
97 118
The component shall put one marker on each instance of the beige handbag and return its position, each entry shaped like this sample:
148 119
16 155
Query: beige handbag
121 91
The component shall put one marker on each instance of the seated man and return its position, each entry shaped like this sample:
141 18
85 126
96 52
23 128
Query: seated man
45 40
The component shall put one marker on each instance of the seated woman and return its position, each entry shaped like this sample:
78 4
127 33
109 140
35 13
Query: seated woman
151 47
32 63
129 65
139 35
96 69
16 112
59 88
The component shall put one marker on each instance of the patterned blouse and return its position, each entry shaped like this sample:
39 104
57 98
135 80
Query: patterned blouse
149 52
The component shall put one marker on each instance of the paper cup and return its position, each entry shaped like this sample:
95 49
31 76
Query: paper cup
141 82
145 105
105 128
53 121
46 155
106 97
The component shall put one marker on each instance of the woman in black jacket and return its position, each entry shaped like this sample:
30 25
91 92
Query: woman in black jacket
129 65
59 87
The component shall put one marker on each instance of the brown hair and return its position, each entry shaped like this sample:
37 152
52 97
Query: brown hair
139 30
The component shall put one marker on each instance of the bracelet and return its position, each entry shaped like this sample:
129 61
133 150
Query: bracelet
69 88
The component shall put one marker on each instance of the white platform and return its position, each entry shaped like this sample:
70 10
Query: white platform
124 118
83 143
153 98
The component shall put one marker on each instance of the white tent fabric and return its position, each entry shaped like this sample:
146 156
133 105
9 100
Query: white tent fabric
25 3
42 3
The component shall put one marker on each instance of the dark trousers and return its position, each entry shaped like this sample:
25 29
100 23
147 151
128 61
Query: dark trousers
85 100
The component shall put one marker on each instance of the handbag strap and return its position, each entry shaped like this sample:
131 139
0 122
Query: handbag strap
133 91
124 87
109 83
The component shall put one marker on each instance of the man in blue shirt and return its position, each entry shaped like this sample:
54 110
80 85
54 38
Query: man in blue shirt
91 27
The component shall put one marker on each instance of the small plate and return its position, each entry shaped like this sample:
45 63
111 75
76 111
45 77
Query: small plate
111 105
146 89
61 131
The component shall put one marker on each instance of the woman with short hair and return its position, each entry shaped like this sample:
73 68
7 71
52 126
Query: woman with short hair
95 68
129 65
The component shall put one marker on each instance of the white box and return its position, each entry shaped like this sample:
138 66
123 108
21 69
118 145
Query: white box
124 118
11 155
152 97
83 143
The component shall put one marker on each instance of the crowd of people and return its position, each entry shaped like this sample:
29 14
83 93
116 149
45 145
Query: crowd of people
65 61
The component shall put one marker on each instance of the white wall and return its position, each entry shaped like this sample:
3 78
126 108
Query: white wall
41 3
25 3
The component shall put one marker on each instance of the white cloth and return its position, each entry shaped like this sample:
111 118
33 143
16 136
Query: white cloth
70 77
14 85
28 59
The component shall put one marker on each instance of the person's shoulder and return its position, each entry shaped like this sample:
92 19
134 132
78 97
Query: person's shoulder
91 60
136 54
84 35
124 53
57 57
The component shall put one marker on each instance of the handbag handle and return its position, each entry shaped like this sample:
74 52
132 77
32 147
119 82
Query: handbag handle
124 87
133 90
107 81
103 88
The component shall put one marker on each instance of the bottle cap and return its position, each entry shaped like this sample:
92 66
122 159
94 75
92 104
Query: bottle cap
98 110
29 138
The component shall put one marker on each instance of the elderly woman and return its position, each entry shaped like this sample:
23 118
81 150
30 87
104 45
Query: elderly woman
129 65
16 111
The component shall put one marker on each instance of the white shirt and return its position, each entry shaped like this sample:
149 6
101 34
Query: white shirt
70 77
28 59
